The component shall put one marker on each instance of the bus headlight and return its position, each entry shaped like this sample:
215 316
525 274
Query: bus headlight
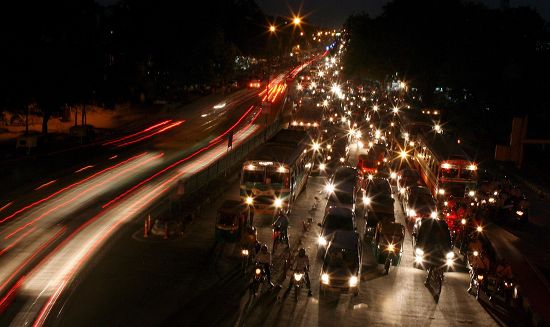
322 241
353 281
418 255
324 279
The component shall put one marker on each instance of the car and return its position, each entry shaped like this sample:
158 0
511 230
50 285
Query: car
432 243
343 188
405 178
341 270
255 84
377 203
335 219
418 202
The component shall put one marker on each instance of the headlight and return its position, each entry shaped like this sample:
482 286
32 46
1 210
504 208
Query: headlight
353 281
519 213
491 200
324 279
258 271
450 255
329 188
342 159
322 166
433 214
366 200
412 213
391 247
322 241
471 193
402 191
370 177
480 277
419 252
244 252
479 229
463 221
393 175
278 203
298 277
441 191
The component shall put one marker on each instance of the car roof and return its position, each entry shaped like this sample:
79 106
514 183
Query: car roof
344 240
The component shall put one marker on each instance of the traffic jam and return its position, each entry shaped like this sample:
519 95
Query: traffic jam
384 174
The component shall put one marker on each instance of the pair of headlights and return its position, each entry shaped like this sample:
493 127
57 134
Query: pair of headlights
353 280
419 256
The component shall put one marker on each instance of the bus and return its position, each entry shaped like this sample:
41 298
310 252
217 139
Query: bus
274 175
445 168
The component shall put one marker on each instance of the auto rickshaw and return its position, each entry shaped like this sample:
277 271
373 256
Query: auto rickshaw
388 243
231 220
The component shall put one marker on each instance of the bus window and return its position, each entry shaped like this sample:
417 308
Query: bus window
253 176
449 172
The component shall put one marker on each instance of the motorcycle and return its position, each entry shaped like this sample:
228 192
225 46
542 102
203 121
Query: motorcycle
298 283
259 278
504 292
279 238
478 278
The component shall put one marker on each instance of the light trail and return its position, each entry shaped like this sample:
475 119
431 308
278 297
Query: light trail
84 168
6 205
164 129
138 133
48 280
45 184
69 187
81 194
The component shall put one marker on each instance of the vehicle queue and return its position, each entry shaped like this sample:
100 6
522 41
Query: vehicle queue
435 182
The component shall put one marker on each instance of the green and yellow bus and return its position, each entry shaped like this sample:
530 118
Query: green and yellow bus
274 175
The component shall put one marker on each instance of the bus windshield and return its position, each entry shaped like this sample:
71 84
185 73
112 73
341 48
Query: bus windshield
449 172
467 174
253 176
276 177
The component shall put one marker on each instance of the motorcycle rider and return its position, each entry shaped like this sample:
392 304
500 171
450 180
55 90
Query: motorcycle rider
478 263
301 264
264 259
280 226
250 240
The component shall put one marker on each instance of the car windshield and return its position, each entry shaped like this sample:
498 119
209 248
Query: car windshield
334 222
226 219
341 258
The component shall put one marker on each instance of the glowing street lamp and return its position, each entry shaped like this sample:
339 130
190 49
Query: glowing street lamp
297 20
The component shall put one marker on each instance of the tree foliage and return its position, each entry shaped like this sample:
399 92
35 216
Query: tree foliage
499 57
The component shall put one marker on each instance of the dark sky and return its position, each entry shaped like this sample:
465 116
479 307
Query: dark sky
333 13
